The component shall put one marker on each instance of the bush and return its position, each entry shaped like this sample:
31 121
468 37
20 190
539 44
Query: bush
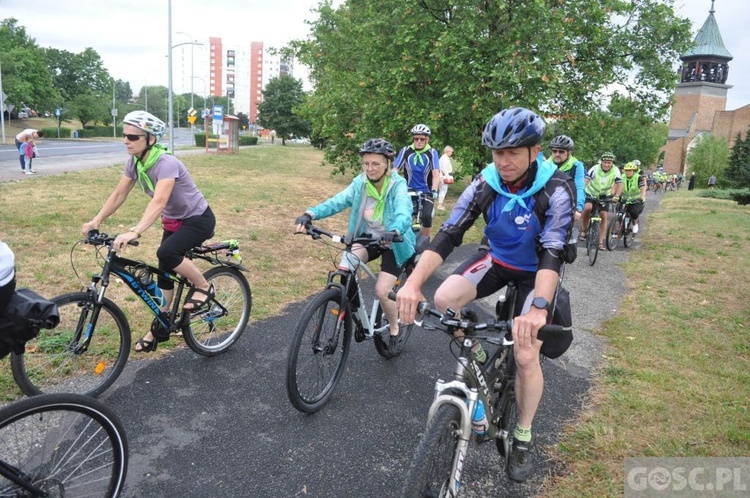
99 131
244 140
200 139
65 132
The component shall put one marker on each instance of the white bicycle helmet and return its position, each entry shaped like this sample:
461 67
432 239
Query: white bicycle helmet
145 121
421 129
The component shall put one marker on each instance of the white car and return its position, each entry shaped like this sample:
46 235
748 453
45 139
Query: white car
23 115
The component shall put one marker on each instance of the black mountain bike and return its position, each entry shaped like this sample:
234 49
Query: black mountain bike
320 347
440 457
89 348
620 227
595 227
57 445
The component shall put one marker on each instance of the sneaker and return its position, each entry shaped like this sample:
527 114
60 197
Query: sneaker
521 463
394 341
29 173
635 228
33 171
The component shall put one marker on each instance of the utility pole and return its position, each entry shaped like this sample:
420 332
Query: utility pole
170 97
2 104
114 111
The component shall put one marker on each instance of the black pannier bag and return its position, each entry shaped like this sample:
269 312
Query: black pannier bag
24 315
557 344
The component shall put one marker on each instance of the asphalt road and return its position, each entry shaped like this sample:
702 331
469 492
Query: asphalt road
204 427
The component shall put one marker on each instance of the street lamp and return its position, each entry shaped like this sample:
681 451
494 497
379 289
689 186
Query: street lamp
192 46
204 89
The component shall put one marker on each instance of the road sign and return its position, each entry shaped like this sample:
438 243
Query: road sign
191 119
218 113
2 97
191 112
205 113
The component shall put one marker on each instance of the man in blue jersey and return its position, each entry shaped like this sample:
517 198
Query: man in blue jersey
421 168
528 206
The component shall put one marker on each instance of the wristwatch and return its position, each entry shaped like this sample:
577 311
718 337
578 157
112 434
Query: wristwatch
541 303
135 231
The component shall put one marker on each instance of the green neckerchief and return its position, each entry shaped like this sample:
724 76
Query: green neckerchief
567 165
420 153
379 197
156 151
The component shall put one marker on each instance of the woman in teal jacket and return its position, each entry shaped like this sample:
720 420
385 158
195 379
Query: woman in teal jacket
379 203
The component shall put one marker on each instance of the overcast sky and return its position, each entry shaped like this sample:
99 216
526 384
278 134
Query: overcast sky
130 36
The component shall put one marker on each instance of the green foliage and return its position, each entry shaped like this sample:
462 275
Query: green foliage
248 140
380 67
637 136
282 99
26 78
710 156
65 132
88 107
77 74
200 139
737 174
740 196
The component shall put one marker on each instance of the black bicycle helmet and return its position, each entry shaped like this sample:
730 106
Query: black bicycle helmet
562 142
514 127
377 146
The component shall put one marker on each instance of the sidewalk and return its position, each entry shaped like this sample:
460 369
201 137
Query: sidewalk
45 166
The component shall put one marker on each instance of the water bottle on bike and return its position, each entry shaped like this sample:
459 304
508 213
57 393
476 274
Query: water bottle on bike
479 420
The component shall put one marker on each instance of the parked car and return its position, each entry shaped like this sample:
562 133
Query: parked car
23 114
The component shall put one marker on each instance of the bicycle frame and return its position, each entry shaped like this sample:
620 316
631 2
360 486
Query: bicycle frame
346 278
17 476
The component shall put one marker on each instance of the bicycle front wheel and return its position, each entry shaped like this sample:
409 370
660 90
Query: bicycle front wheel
627 234
64 444
63 360
381 320
215 328
592 243
614 233
432 466
317 355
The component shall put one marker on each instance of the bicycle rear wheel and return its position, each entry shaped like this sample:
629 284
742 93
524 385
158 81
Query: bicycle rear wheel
65 444
318 353
381 320
213 329
55 362
592 243
432 466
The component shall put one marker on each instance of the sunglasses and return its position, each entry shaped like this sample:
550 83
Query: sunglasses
132 138
559 151
420 139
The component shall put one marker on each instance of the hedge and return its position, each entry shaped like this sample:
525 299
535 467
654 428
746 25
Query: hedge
99 131
65 132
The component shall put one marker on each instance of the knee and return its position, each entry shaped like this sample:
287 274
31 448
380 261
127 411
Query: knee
527 358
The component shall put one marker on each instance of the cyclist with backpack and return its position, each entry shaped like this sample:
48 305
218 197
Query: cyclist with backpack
379 204
528 206
186 216
421 166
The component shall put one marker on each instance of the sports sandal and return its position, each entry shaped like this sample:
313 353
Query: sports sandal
602 247
582 236
146 346
197 304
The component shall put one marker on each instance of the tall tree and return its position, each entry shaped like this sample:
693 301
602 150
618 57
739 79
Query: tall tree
282 100
737 174
87 107
77 74
710 156
26 78
380 67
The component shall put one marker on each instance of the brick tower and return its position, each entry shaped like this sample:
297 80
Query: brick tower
701 92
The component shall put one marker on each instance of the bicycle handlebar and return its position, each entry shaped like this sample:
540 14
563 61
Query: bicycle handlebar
469 322
365 240
101 239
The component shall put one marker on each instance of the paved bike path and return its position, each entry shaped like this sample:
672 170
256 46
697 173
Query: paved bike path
223 426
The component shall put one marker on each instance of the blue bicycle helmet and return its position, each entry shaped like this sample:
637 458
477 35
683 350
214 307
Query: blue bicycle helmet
514 127
378 146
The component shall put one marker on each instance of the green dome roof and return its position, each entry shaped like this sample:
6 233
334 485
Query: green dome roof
708 41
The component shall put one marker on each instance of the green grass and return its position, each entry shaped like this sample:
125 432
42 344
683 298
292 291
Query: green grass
674 381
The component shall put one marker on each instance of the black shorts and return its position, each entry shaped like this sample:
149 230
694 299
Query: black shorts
489 277
387 261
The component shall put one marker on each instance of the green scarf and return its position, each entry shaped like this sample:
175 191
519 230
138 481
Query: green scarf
420 153
379 197
567 165
143 180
